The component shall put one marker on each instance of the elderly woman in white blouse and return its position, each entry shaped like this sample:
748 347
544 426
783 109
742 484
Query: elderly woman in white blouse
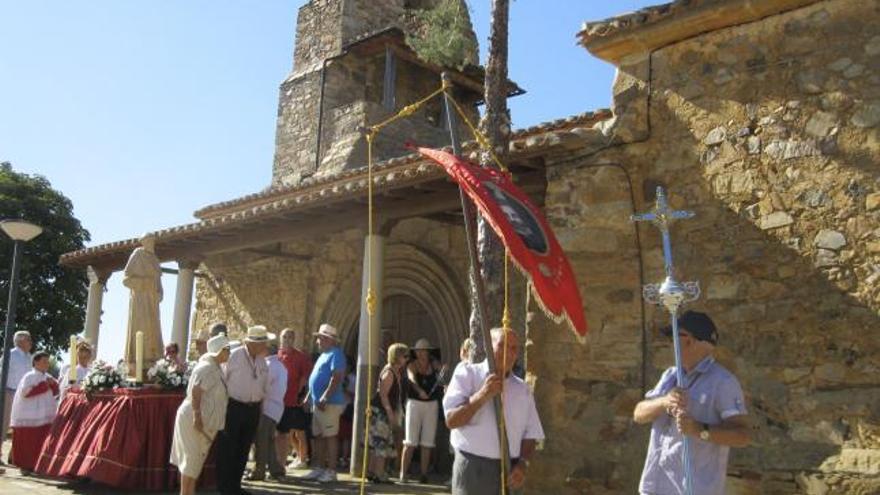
201 415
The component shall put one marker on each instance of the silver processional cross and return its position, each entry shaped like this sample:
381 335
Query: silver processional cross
671 295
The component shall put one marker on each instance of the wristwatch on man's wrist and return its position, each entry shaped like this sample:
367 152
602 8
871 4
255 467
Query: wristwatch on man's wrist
704 433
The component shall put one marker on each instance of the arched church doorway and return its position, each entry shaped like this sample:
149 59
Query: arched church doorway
422 298
404 320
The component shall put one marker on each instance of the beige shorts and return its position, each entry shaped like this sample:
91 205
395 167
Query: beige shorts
326 423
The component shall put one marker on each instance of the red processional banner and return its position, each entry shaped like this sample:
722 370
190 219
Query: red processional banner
525 232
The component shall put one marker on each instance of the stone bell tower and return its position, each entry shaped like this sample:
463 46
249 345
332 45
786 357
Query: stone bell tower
351 68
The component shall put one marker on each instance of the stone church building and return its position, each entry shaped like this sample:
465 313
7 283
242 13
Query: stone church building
762 117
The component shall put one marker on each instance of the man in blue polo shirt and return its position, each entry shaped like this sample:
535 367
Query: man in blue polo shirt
709 408
328 401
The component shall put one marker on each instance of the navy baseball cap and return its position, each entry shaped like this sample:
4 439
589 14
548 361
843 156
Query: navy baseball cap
699 325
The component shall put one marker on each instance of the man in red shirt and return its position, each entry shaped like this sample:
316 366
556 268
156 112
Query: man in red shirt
295 417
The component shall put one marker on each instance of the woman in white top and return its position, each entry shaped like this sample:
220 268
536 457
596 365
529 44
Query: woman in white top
201 415
83 362
424 391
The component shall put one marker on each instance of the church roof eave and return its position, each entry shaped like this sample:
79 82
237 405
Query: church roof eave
657 26
315 207
579 120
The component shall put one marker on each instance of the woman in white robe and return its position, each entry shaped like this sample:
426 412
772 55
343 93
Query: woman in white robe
201 415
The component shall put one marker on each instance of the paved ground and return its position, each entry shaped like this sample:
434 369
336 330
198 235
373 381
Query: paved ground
13 483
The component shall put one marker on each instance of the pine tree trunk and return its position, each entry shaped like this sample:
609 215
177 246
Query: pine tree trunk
495 124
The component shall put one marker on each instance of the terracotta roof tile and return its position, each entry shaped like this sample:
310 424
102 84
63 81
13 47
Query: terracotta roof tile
634 20
660 25
583 119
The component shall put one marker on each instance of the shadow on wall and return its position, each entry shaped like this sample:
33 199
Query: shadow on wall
226 302
788 162
774 144
804 349
246 290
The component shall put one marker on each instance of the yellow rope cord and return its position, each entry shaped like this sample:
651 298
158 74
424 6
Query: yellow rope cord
483 142
505 316
407 110
503 451
371 307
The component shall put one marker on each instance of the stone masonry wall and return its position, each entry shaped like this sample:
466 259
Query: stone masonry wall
352 90
318 34
770 132
296 129
368 16
318 37
246 289
353 99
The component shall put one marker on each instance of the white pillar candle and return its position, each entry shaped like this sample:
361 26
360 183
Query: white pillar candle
73 356
139 357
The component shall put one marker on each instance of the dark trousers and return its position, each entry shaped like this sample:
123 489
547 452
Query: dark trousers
475 475
234 444
264 449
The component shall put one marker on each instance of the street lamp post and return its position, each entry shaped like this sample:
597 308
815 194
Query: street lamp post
20 232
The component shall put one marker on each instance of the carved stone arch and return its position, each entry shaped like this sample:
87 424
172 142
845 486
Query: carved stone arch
431 282
416 273
343 308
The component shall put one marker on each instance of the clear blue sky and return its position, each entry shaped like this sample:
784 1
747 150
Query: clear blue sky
142 112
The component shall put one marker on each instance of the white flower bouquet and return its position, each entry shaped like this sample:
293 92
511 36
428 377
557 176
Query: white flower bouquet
169 375
102 376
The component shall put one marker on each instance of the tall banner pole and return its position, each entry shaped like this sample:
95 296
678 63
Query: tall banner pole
671 295
468 211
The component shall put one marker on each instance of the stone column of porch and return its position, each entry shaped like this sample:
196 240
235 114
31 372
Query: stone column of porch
183 304
369 341
97 286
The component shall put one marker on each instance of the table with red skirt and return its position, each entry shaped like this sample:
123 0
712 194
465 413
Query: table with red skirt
120 438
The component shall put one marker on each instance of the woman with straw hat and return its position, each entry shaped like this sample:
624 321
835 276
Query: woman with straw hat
201 415
423 401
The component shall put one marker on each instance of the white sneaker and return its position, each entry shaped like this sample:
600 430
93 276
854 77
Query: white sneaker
313 475
328 477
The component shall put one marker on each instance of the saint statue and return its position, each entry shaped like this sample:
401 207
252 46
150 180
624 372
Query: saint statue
142 274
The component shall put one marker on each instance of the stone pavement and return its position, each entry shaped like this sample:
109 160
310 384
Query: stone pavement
13 483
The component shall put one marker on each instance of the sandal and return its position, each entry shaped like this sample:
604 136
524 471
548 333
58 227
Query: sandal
377 480
255 477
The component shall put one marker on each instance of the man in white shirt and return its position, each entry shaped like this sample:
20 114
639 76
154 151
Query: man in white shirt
19 365
273 409
470 416
246 378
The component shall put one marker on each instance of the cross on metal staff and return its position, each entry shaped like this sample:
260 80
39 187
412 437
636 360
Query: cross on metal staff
671 295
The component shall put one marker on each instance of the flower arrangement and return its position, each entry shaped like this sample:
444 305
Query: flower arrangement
102 376
169 375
